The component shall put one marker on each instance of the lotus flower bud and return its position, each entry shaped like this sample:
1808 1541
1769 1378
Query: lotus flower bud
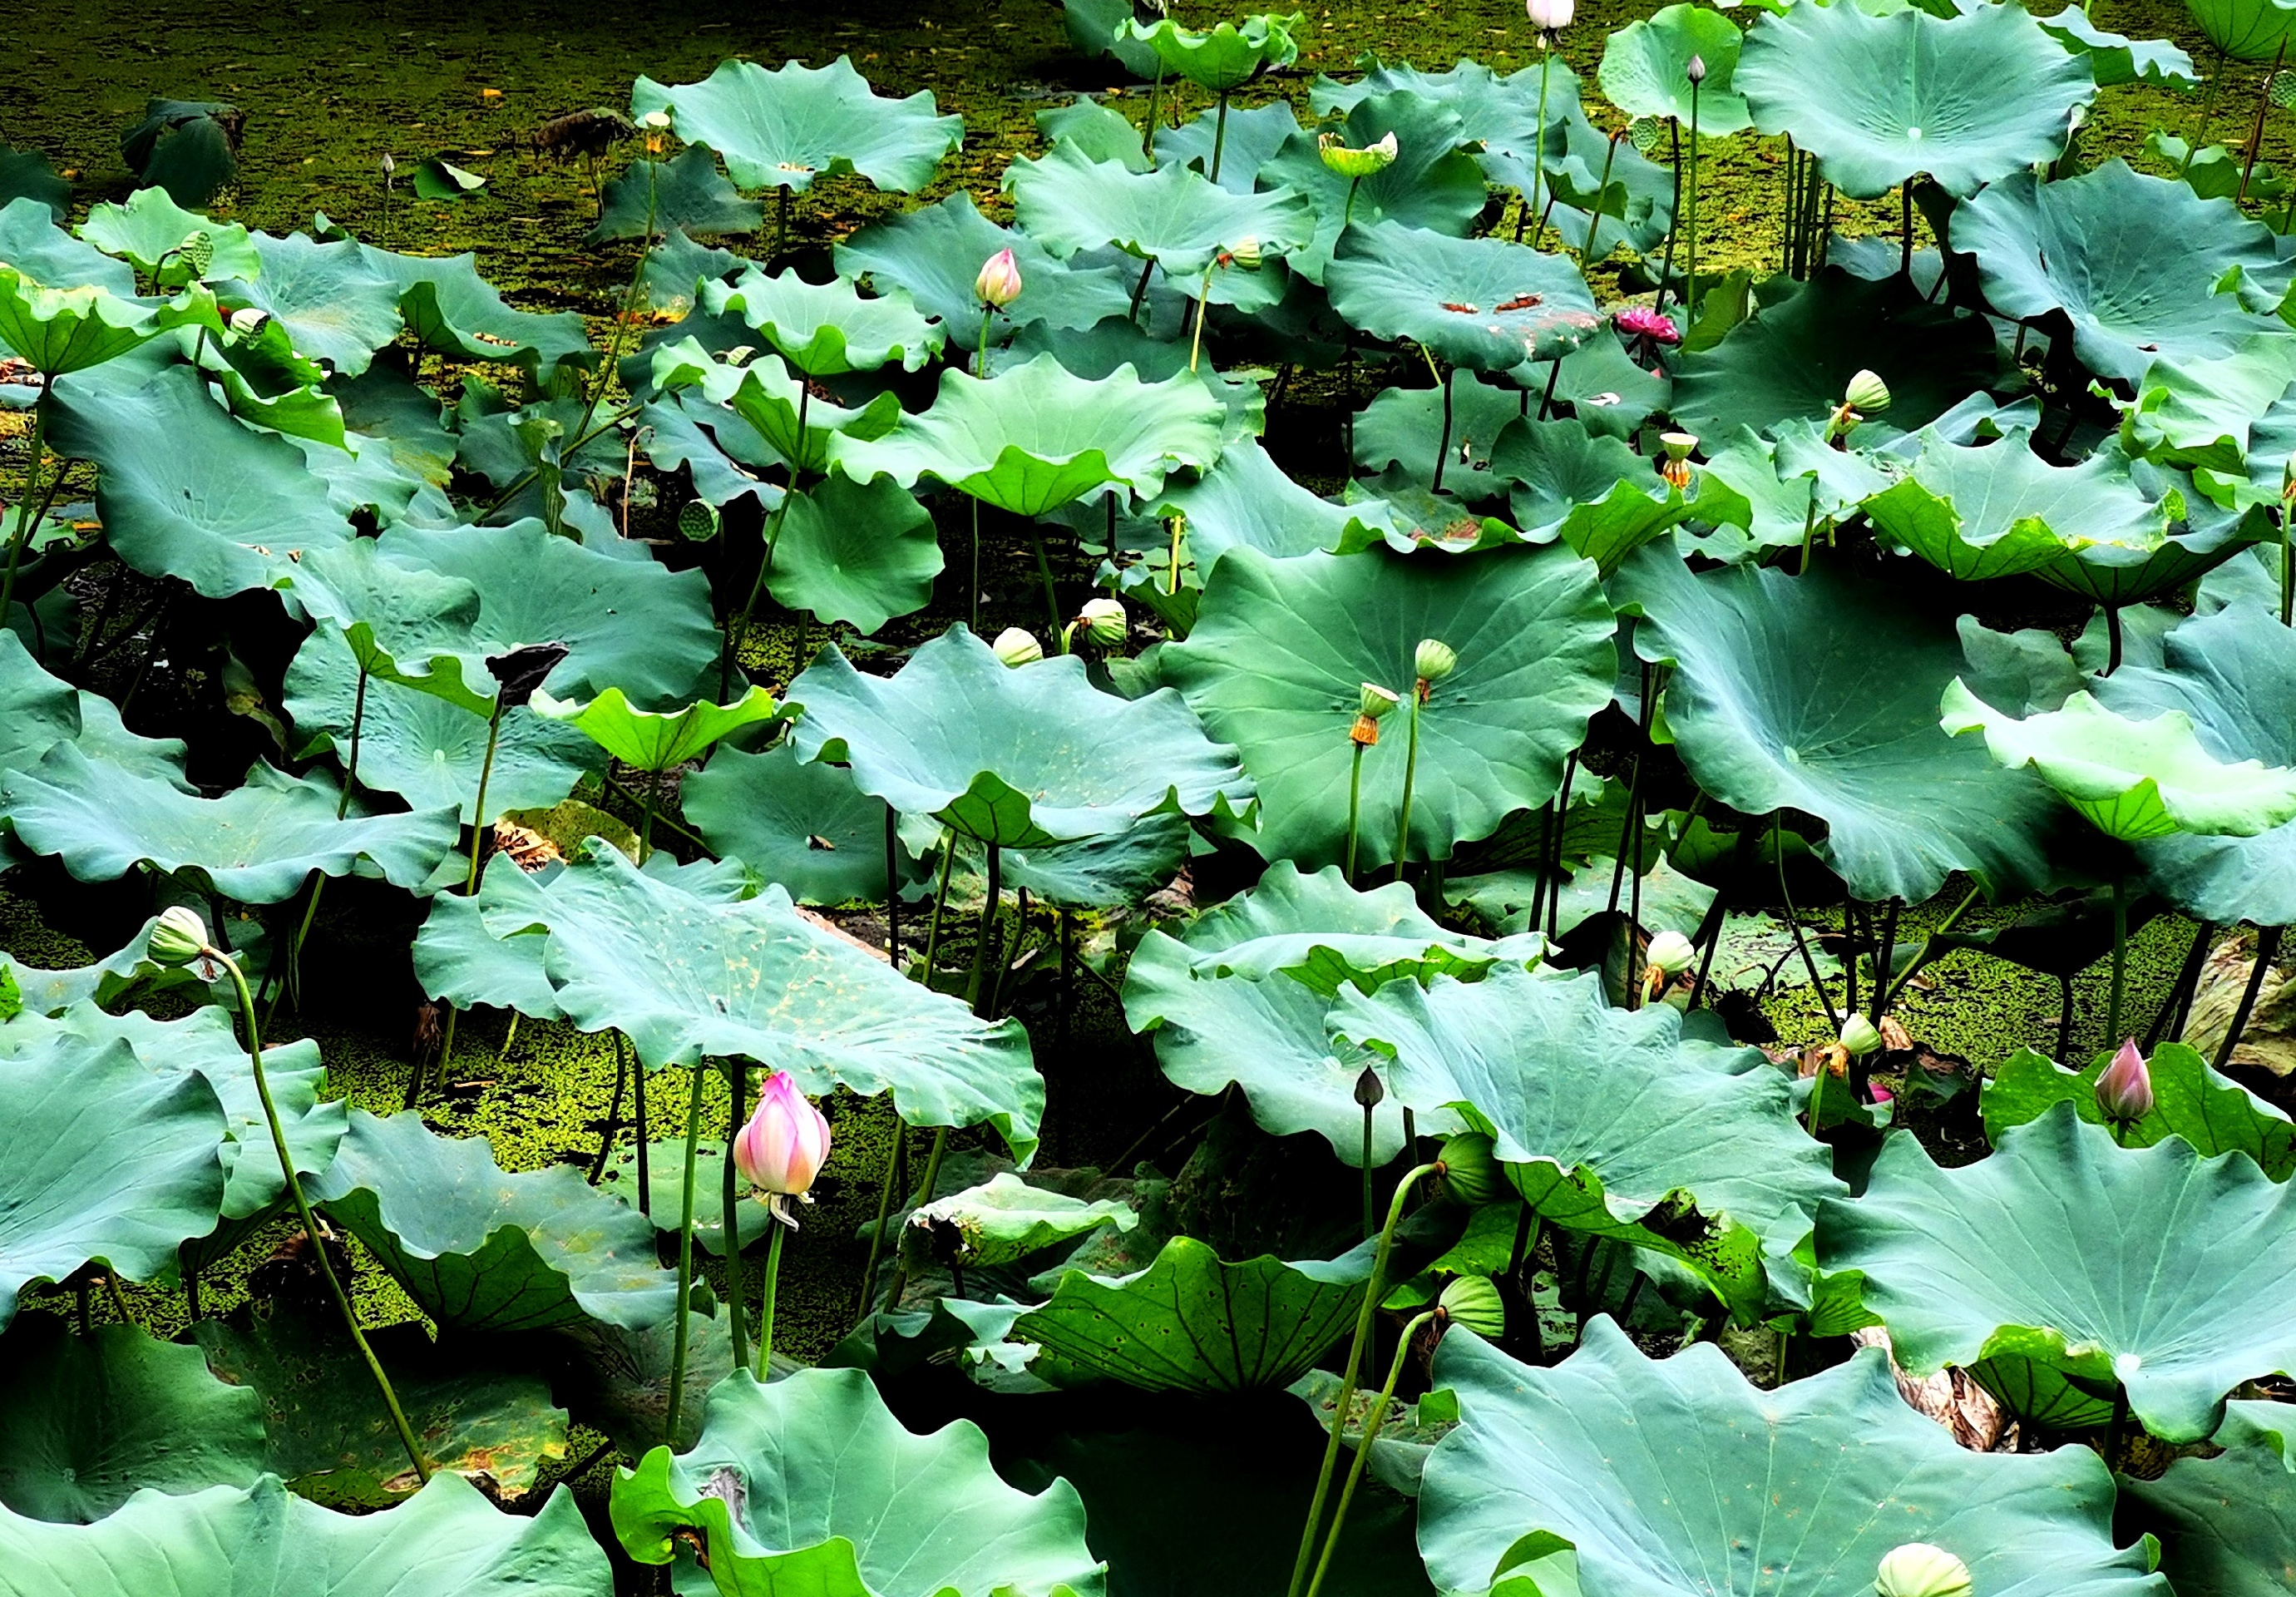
1860 1036
1918 1569
1672 953
1473 1302
1470 1168
1434 660
1868 394
1368 161
389 165
1696 69
1244 255
782 1147
1016 648
1548 16
1373 702
178 937
1103 622
999 282
1641 322
2124 1090
1370 1091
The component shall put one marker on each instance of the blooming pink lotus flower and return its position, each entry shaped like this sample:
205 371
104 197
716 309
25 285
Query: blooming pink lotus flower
2124 1090
783 1146
999 282
1640 322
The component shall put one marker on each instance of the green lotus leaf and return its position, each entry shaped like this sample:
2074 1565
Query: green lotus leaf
149 229
1111 872
810 1484
401 622
783 128
800 823
2000 510
1610 1122
31 242
1103 133
687 976
2232 672
768 403
1096 31
722 463
334 306
648 741
935 256
1245 501
262 1541
1175 217
1679 1477
1193 1322
1020 758
1811 693
858 553
1227 57
1965 100
1004 1220
1431 184
651 197
1404 426
30 175
1595 494
2132 779
2134 262
1643 69
256 844
58 330
1793 359
1253 136
2153 1271
1480 303
2117 575
665 1190
2244 30
2114 59
1281 650
184 490
447 306
827 329
39 710
2227 1524
2198 413
112 1163
479 1249
2190 1099
88 1422
460 958
331 1439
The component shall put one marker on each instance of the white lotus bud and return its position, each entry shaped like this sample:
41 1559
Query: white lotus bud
1015 646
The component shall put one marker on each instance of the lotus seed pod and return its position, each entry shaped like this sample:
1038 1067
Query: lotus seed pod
1470 1168
2124 1090
1355 164
1678 445
1103 621
1015 646
249 322
178 937
1918 1569
1370 1091
1372 703
999 282
1473 1302
196 252
1434 660
1860 1036
698 521
1672 953
1867 394
1548 16
1244 253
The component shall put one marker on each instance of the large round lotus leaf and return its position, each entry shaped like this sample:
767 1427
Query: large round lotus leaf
1644 69
1965 101
650 741
86 1421
1227 57
480 1249
149 227
1034 438
1610 1121
1404 426
1676 1478
1793 359
2117 574
184 490
1431 184
1281 650
798 822
256 844
2133 262
2234 674
810 1484
935 255
2000 510
766 405
60 329
1016 757
687 976
2132 779
447 306
2244 30
1813 694
651 197
1193 1322
2115 59
825 329
2189 1100
1480 303
2227 1523
458 957
1176 216
39 710
31 242
784 128
397 618
2065 1268
1245 501
1599 497
334 306
445 1541
111 1163
858 553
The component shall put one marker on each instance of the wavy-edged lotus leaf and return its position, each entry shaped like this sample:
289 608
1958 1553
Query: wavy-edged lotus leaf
1667 1478
1431 185
86 1421
256 844
481 1250
185 490
1228 56
859 553
2214 1114
30 175
2227 1523
335 307
1193 1322
149 228
1110 872
1281 650
58 330
1610 1121
656 741
2118 574
799 822
1599 497
1813 693
1004 1219
32 241
112 1163
446 305
1404 426
2134 262
1020 757
1176 215
2066 1268
1480 303
1966 100
394 617
1643 71
687 193
1103 133
665 1191
2132 779
2000 510
685 431
39 710
810 1483
784 128
1253 136
2199 414
2232 672
768 402
687 976
1033 438
827 329
2114 59
2244 30
460 957
935 254
1246 501
263 1541
1793 359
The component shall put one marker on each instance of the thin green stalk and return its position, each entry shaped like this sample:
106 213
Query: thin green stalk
976 563
1374 1422
622 318
1348 214
932 1176
638 1115
736 634
940 902
1443 447
1673 218
1355 809
1044 573
1690 283
2287 554
737 1071
1793 921
684 1258
1921 955
1172 561
1410 774
895 1159
1219 136
988 907
1595 220
1370 1214
479 813
1203 299
1538 163
23 533
979 348
294 982
1148 135
766 1291
2120 956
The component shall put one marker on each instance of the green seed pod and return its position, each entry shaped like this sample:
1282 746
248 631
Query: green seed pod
1353 164
196 252
1860 1036
178 937
698 522
1372 701
1470 1168
1918 1569
1867 394
1473 1302
1434 660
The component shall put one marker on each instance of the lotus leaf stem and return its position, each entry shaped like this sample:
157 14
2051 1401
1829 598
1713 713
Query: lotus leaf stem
940 902
1219 136
892 887
2120 955
1673 218
613 1118
895 1160
766 1299
478 811
1538 160
1355 809
1045 574
737 1079
638 1111
901 1280
990 905
1793 921
1172 572
1561 823
738 632
1204 301
1884 955
1898 983
1443 447
2287 554
2179 1001
979 348
1690 273
1370 1214
1148 133
1410 773
678 1337
25 518
1374 1422
1586 257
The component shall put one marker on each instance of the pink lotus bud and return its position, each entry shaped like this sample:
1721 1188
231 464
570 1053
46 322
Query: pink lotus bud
1548 16
783 1146
999 282
1637 321
2124 1090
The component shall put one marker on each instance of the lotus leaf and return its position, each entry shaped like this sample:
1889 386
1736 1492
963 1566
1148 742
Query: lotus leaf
1245 500
800 823
720 452
460 958
446 305
784 128
2115 59
767 403
1099 873
1431 184
2244 30
31 242
58 330
1004 1220
934 255
1643 69
686 194
149 228
1480 303
39 710
2000 510
335 307
1253 135
858 553
645 740
827 329
1227 57
385 609
1175 217
29 174
2189 1100
1404 426
2227 1523
1595 494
